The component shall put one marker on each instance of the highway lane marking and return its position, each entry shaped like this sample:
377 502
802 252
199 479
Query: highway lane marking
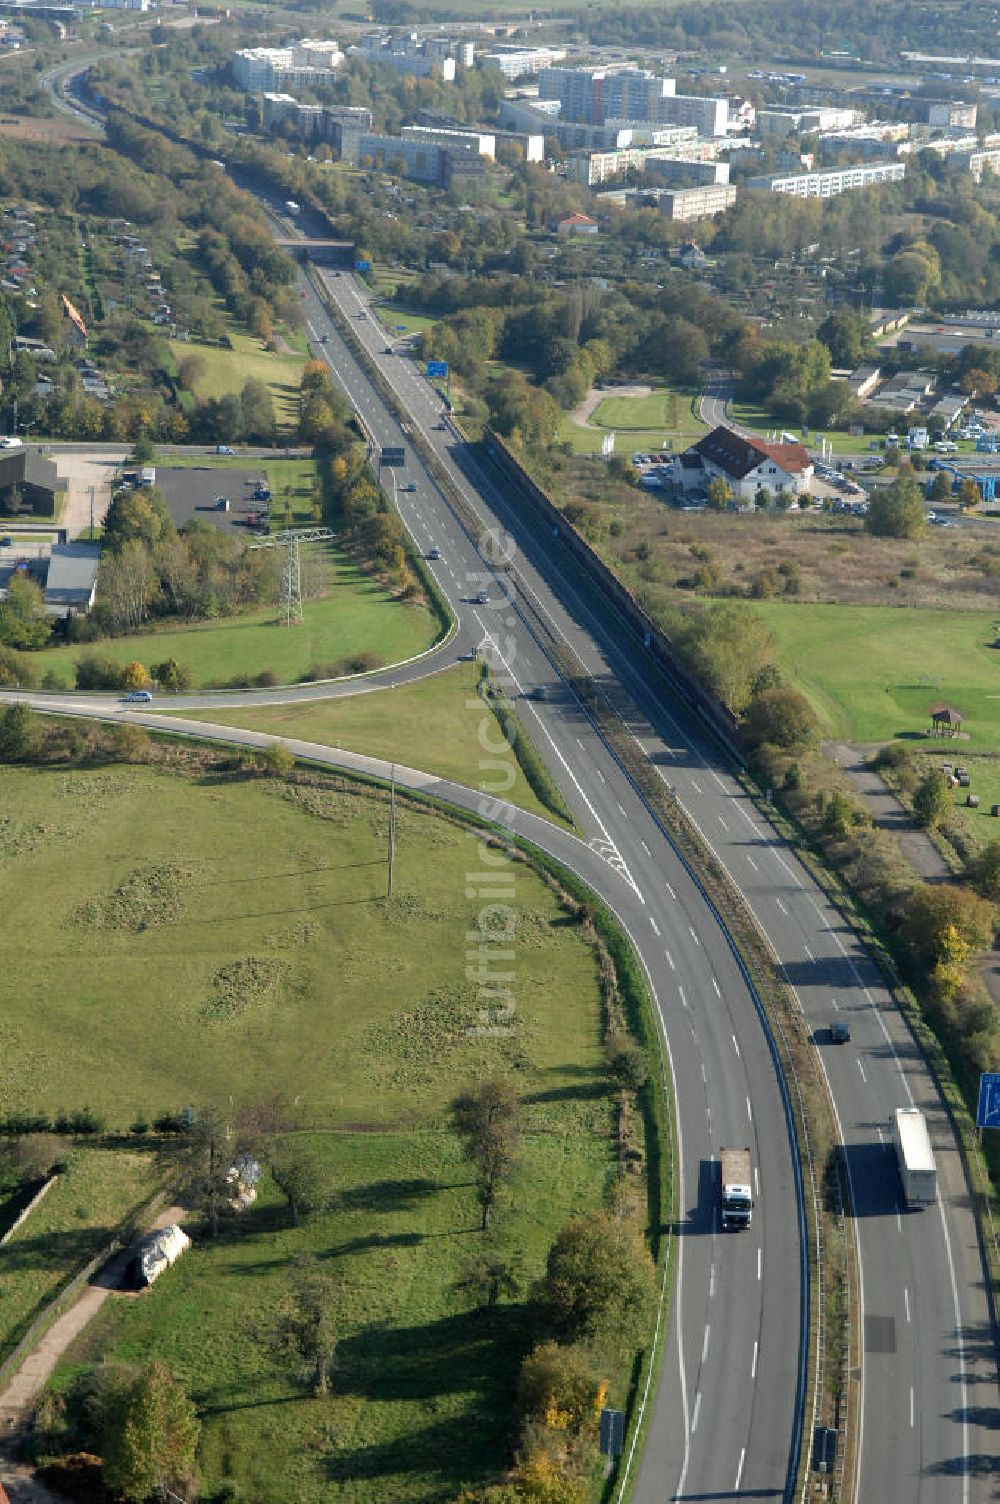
723 823
655 926
899 1219
711 1281
704 1345
819 913
739 1470
683 995
783 864
781 906
670 890
578 742
752 863
749 1110
716 986
695 1412
670 960
722 783
911 1406
906 1302
695 785
645 848
622 812
753 1365
736 1046
756 1181
809 954
600 775
693 935
862 1070
836 1005
760 1261
703 1076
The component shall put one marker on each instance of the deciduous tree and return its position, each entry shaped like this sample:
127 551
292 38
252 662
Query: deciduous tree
485 1118
150 1434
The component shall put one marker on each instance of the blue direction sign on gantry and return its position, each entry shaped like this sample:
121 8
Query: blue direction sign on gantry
437 369
988 1111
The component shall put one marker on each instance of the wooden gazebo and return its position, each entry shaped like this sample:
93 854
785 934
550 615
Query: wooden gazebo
945 720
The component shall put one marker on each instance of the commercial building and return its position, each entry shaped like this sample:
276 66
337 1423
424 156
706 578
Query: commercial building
830 184
747 465
520 62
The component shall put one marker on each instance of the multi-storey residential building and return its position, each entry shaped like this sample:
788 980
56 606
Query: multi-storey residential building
829 184
682 205
282 69
803 122
520 62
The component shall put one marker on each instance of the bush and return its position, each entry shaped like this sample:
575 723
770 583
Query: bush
96 672
781 717
599 1279
627 1062
20 734
557 1384
278 760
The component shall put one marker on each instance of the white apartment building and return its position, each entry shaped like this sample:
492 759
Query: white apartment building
279 69
481 143
830 184
521 62
710 117
682 205
780 123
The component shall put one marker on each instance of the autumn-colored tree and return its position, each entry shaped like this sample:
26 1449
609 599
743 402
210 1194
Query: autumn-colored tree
150 1434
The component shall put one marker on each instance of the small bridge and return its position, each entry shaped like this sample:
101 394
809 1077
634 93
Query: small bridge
322 252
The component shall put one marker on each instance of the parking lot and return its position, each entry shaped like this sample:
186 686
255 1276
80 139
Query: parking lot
193 491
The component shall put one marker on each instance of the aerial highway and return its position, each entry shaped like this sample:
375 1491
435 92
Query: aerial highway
727 1416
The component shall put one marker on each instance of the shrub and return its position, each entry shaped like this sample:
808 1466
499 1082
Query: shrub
134 675
599 1278
96 672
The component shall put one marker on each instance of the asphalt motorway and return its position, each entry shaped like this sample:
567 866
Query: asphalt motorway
928 1364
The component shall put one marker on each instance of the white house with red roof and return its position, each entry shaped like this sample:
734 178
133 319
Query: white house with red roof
746 464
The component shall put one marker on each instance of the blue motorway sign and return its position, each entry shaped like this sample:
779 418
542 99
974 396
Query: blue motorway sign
362 265
988 1110
437 368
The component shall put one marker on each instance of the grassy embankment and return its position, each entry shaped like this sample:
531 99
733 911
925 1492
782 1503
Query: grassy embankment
206 940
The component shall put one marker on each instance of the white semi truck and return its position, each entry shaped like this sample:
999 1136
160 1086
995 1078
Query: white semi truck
736 1191
915 1157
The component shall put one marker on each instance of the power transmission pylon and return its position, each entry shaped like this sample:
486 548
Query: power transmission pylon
291 569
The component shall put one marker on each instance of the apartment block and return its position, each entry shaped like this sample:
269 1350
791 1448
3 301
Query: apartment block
830 184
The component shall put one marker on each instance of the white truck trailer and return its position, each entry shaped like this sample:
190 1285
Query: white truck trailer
915 1157
735 1189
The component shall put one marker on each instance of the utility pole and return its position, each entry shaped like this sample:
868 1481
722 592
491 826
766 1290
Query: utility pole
392 825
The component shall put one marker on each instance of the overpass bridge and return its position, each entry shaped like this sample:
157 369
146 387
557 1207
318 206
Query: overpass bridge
322 252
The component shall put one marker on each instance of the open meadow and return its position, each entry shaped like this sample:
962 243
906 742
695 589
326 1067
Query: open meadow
872 673
432 724
350 614
210 939
222 372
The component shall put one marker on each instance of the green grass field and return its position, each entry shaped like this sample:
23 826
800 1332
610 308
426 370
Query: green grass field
226 371
871 672
432 724
209 940
354 616
640 423
78 1216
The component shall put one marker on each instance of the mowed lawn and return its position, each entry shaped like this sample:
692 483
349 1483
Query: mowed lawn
100 1188
226 371
640 423
433 724
216 941
872 672
354 616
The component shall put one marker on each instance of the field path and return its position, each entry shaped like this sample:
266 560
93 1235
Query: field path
916 846
581 414
18 1397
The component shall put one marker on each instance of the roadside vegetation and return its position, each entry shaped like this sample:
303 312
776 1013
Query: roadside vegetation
417 1255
